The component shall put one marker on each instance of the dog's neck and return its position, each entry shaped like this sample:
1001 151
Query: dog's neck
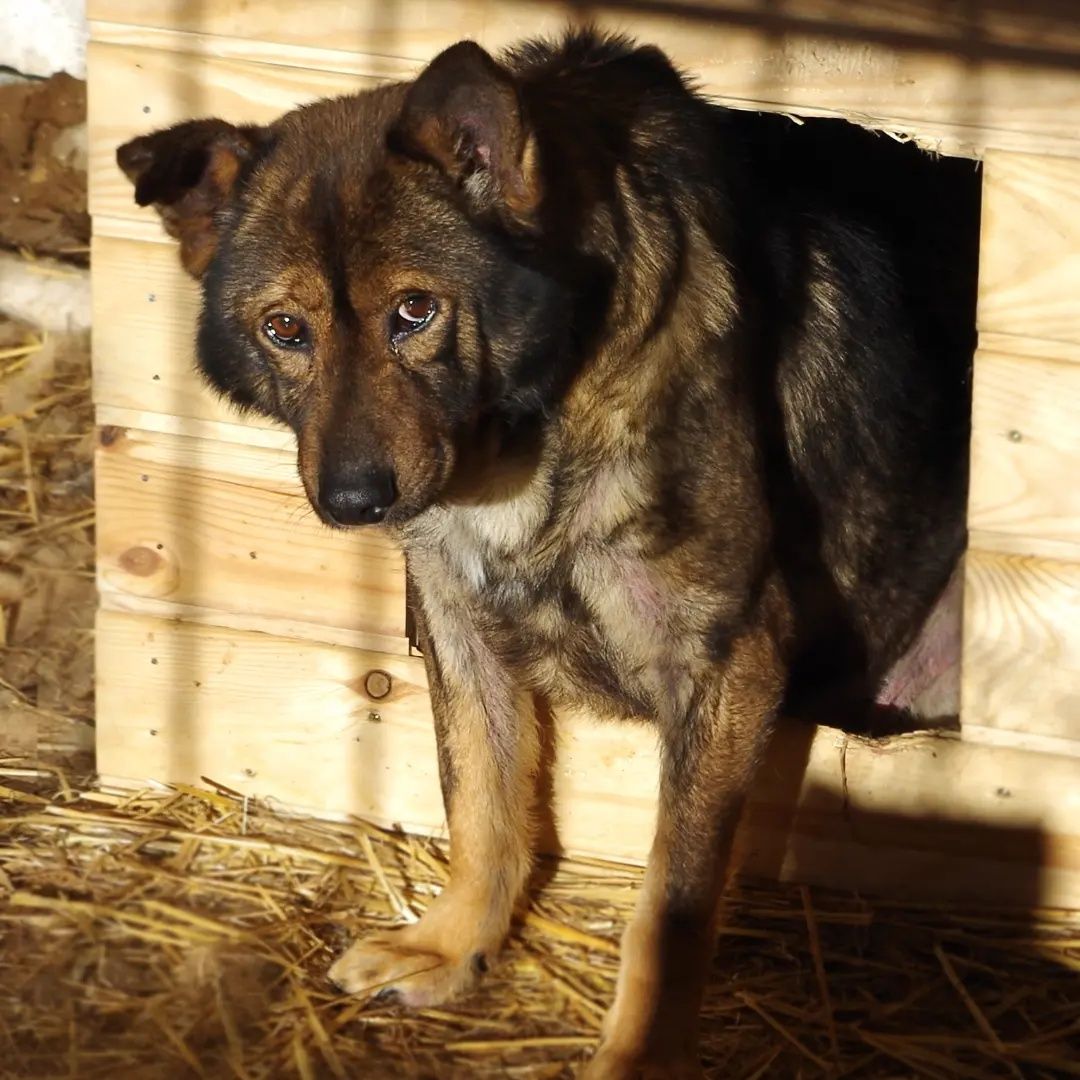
577 468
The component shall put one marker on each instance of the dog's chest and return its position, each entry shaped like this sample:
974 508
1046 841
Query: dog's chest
562 587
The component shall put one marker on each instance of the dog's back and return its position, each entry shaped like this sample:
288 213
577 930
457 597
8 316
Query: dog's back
862 254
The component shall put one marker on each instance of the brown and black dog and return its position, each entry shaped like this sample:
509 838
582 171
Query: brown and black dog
667 404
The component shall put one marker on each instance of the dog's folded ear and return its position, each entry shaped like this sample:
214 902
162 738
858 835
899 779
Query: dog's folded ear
188 173
463 113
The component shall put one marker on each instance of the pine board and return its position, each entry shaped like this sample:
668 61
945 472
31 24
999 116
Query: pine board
1025 447
963 79
992 24
145 314
915 815
1029 266
135 90
1021 658
226 527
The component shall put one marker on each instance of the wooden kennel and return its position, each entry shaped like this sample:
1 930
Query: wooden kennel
240 642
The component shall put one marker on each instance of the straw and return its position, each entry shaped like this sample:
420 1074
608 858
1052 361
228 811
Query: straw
188 948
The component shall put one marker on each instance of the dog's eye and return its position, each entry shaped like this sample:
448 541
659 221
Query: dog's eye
412 314
287 331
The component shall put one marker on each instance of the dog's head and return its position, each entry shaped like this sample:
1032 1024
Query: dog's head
368 275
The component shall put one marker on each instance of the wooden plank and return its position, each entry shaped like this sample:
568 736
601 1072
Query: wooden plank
1022 740
1025 447
281 626
144 228
1011 82
1021 658
225 527
217 430
370 25
263 714
811 57
915 815
745 76
145 314
1022 544
329 57
404 28
134 90
1029 266
1039 348
289 719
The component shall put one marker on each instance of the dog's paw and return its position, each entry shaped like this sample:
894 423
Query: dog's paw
611 1064
397 966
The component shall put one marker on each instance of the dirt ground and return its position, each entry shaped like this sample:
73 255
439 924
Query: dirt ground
43 167
46 441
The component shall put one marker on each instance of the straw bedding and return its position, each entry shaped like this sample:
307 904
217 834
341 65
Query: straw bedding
184 932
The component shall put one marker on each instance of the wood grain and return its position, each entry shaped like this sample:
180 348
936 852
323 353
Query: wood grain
1025 447
145 315
969 80
226 527
1022 740
403 28
917 816
1021 659
294 53
1019 345
135 90
1029 267
390 28
216 430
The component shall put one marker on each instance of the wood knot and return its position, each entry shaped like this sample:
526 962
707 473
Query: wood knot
109 434
140 561
142 568
377 685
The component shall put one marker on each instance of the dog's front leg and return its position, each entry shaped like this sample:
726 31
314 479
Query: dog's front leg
708 760
488 754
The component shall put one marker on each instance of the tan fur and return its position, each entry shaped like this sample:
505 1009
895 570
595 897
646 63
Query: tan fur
491 831
658 995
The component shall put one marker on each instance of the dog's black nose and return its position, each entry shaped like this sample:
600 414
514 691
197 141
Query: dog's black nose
360 498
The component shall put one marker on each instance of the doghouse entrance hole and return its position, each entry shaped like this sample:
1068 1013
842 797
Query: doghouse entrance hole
940 198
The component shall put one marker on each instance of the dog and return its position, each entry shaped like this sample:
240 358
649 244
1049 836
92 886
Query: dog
667 404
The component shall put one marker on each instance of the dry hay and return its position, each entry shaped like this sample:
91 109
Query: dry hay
46 543
186 932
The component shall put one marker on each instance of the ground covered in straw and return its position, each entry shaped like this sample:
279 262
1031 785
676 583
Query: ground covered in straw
185 933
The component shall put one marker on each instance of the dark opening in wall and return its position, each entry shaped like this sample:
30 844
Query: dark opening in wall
871 244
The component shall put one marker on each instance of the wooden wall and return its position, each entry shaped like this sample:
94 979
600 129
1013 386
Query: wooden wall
236 636
1022 589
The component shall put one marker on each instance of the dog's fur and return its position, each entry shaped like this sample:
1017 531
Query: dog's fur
685 441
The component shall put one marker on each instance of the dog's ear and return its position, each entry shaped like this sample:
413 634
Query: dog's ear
463 114
188 173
